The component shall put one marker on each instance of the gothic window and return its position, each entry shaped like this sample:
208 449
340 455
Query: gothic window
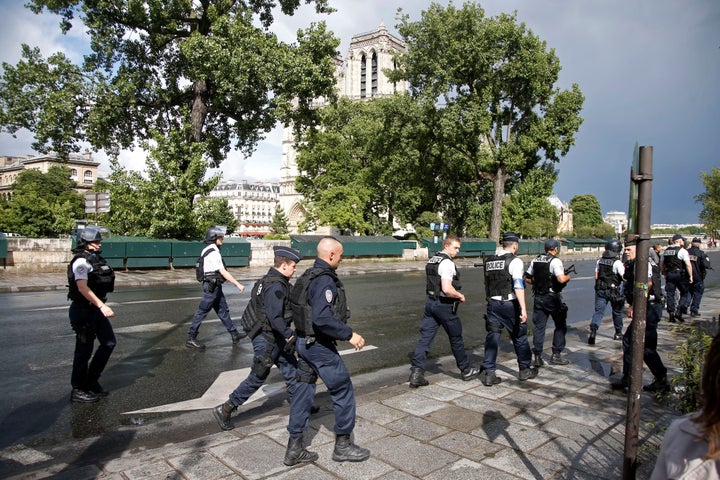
363 75
88 176
374 74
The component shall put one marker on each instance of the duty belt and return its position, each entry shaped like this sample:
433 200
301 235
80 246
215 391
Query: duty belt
443 299
509 298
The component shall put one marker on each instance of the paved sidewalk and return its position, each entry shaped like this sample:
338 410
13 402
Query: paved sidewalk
565 424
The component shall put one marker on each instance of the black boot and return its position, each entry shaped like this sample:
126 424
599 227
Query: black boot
297 453
193 343
237 335
591 338
222 414
672 317
347 451
417 377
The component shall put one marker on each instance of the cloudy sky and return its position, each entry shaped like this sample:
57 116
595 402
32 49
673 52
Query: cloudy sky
649 69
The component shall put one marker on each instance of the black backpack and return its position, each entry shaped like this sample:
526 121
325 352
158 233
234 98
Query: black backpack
200 265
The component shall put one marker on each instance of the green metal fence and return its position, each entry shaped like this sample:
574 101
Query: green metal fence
354 246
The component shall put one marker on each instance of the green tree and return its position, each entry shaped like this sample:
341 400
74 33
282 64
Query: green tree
586 211
209 74
353 165
527 210
710 200
43 204
489 85
279 224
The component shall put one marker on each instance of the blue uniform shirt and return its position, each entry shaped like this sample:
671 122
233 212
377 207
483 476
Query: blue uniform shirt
274 300
321 294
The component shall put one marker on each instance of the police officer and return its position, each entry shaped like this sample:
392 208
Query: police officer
266 320
699 262
609 271
505 292
547 276
213 297
676 267
90 279
443 296
654 313
320 315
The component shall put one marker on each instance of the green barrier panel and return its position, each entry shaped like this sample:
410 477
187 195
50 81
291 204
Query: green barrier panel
235 261
236 247
352 246
469 247
148 254
185 254
3 249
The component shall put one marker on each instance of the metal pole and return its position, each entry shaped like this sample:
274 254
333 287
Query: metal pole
640 289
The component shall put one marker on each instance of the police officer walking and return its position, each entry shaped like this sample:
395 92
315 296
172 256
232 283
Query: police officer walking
699 262
547 276
90 279
654 313
443 296
213 297
505 291
267 320
609 271
320 314
678 272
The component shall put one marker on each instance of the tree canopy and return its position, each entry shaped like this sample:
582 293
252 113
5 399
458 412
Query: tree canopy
490 84
208 76
43 204
710 200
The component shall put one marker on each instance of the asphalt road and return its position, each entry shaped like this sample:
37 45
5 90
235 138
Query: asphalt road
151 366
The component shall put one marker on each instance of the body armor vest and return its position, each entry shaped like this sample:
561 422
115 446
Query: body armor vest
671 260
254 319
302 310
542 277
606 277
101 278
498 281
434 282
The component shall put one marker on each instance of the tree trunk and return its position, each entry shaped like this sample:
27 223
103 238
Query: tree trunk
199 109
498 193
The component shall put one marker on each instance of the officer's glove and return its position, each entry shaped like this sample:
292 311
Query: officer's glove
290 344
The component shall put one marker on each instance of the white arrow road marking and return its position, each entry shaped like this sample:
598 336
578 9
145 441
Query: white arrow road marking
223 385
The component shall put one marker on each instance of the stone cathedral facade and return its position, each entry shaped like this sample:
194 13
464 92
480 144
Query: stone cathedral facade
359 77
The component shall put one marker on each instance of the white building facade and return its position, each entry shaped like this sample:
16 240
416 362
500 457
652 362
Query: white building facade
253 205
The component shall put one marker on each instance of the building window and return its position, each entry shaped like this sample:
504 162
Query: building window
363 75
88 176
374 74
74 173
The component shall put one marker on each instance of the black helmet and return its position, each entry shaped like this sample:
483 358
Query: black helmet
613 246
90 234
212 233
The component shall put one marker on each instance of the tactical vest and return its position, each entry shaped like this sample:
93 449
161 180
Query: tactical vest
671 261
542 277
606 277
101 278
214 275
301 308
697 262
498 281
434 282
254 319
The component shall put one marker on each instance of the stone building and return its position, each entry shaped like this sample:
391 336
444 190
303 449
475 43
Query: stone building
359 77
253 204
83 170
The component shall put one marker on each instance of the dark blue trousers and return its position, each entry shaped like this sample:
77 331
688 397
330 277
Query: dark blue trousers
696 292
676 281
325 360
86 372
505 315
214 300
650 354
438 314
543 307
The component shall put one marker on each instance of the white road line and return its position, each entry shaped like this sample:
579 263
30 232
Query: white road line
114 304
225 383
